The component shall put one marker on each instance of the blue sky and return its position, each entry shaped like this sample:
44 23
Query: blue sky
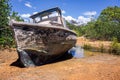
79 10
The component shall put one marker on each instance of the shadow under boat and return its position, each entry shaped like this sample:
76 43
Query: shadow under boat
64 57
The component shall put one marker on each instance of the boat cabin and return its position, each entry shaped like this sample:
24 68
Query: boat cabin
52 16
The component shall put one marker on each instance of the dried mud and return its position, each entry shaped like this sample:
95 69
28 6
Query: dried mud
95 67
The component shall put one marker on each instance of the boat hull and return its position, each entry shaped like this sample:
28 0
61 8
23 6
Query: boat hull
44 43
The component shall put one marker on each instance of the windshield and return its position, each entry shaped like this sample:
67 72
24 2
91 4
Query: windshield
52 16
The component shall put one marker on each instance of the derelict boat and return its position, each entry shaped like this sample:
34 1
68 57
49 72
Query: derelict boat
44 39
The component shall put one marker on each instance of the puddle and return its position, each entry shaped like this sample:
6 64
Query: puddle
76 52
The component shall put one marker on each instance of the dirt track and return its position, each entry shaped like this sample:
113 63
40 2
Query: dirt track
96 67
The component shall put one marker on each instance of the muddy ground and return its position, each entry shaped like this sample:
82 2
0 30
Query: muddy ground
94 67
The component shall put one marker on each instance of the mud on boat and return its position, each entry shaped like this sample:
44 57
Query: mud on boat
44 39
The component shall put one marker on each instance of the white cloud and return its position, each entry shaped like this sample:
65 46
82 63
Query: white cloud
28 5
90 13
69 18
35 12
83 20
25 15
63 12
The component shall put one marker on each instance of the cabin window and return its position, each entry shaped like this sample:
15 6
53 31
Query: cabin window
37 19
44 17
53 14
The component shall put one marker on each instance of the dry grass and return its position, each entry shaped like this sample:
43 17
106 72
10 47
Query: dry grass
94 43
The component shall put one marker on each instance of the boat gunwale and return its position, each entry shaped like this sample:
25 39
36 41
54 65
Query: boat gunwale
18 24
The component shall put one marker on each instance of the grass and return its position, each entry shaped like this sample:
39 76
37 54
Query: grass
87 46
114 48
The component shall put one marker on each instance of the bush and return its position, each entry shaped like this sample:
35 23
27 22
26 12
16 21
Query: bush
102 48
115 47
87 46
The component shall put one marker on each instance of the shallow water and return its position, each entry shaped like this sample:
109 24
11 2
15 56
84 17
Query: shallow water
77 52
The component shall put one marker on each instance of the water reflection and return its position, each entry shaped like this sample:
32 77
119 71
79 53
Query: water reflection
76 52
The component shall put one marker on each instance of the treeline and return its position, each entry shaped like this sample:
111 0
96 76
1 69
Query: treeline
6 13
105 27
5 32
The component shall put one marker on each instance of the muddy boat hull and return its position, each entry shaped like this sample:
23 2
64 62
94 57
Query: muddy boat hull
43 44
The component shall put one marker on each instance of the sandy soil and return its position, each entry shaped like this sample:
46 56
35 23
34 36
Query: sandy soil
96 67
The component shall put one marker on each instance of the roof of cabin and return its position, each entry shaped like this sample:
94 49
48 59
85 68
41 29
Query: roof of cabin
46 12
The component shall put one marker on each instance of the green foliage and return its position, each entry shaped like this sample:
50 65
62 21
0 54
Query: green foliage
4 13
115 47
109 23
6 38
5 32
77 29
14 15
90 30
110 14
